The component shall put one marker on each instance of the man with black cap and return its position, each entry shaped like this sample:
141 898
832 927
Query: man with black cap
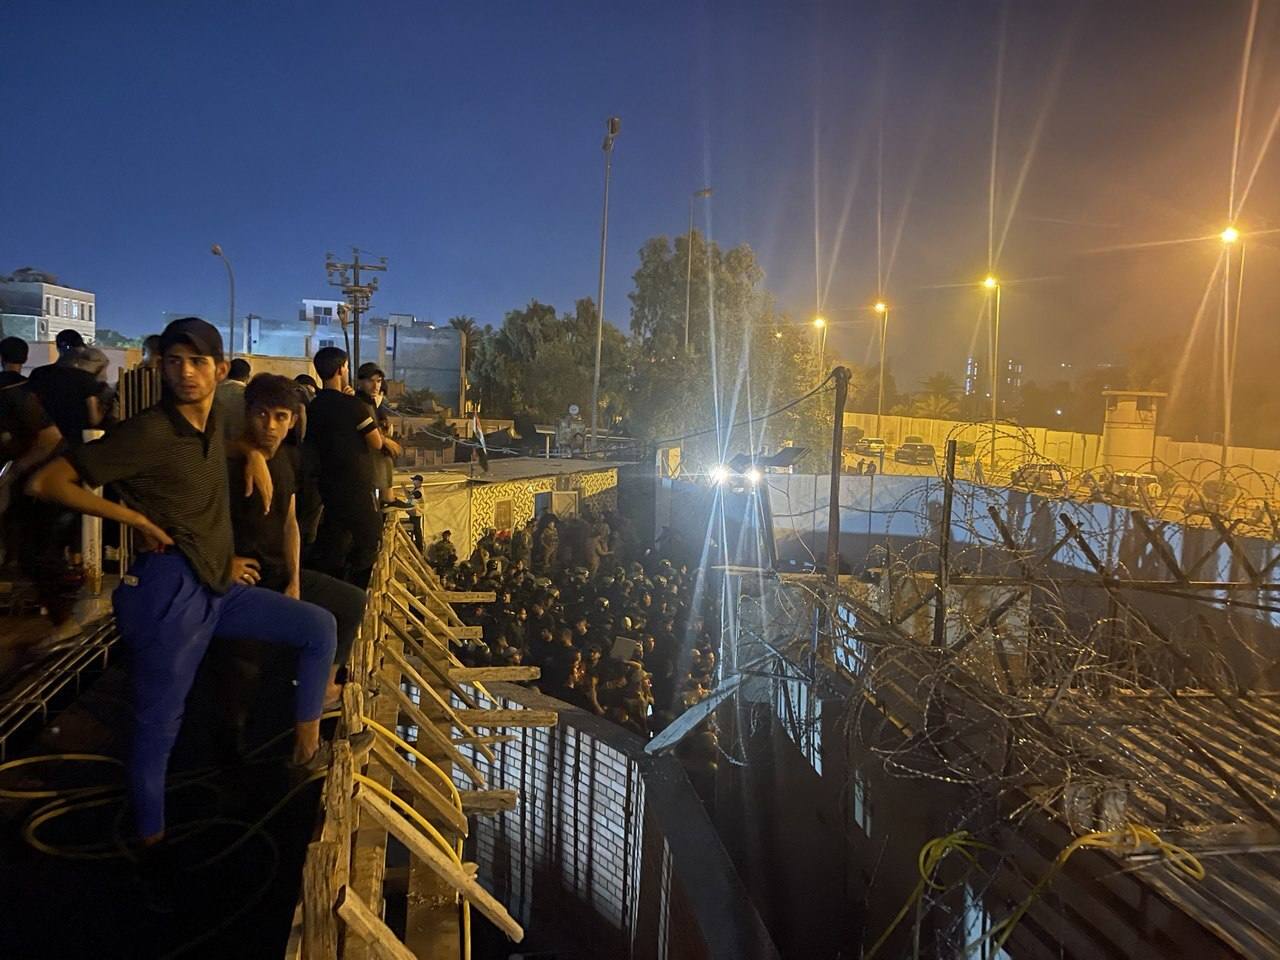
168 464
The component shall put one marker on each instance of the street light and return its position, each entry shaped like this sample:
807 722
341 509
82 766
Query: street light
612 126
993 286
1229 237
881 308
216 250
821 324
688 278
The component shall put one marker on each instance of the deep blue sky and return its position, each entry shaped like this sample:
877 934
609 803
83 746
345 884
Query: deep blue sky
462 141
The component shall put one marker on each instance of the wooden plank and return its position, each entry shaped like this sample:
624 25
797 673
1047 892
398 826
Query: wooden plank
488 801
507 674
414 781
440 672
485 738
337 809
449 716
467 596
433 733
369 927
319 893
452 873
509 718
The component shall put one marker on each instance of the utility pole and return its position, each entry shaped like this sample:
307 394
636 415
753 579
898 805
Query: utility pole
612 128
346 276
841 375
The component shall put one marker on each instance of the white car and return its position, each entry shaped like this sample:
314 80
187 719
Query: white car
870 447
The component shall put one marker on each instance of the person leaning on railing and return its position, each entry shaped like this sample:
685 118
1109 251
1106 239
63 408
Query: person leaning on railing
169 465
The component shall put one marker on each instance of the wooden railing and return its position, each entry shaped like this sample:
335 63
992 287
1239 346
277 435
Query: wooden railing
404 679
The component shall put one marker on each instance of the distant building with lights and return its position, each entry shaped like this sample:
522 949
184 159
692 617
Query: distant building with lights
971 371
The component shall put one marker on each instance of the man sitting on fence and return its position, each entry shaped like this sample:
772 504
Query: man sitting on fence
269 545
169 465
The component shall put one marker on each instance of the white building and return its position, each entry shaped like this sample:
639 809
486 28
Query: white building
34 306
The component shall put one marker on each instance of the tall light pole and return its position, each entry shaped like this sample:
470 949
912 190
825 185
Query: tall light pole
216 250
881 308
992 285
1229 237
688 276
611 130
820 324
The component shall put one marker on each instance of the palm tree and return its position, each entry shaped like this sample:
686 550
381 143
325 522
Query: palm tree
466 327
935 406
941 384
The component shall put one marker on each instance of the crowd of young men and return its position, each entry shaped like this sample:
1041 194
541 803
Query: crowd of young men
617 629
212 480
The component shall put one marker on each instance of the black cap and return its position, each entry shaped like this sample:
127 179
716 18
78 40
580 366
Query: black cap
200 335
368 371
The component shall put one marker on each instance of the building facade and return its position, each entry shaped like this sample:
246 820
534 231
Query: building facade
36 309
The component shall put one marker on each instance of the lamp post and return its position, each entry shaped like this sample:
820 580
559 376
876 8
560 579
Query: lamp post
612 127
688 277
820 323
992 285
1229 238
216 250
881 308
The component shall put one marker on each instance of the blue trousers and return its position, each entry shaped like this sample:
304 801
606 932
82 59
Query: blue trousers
167 617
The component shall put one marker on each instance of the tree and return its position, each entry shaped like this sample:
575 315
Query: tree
941 384
106 337
936 406
736 369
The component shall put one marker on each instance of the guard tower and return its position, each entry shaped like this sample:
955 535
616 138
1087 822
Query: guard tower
1129 428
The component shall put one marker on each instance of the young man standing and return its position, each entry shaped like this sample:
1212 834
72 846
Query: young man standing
169 465
341 434
230 399
13 354
270 544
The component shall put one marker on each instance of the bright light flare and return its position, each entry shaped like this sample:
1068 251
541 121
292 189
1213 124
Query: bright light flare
719 473
1229 235
754 476
881 307
819 322
991 283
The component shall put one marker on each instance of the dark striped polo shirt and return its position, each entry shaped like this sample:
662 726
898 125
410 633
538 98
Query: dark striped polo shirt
173 474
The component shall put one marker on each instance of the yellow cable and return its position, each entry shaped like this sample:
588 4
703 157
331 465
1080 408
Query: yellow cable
394 738
1130 839
408 808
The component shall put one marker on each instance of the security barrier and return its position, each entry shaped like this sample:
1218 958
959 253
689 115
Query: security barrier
408 688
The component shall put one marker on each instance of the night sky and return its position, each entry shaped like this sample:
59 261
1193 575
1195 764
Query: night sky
462 141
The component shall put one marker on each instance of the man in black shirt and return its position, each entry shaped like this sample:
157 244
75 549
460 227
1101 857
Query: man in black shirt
341 432
184 590
271 542
13 354
28 438
70 394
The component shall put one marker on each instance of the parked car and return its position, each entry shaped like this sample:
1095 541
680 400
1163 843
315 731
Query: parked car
1128 486
1040 475
914 453
870 447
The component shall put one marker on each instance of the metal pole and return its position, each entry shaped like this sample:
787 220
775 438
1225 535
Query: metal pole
841 375
944 547
355 313
995 376
884 329
1226 362
607 147
688 277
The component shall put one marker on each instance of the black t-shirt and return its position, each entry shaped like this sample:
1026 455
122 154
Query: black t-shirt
176 476
337 424
9 378
64 392
262 536
21 419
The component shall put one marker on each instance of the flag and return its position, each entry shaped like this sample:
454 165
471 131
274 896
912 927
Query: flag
477 433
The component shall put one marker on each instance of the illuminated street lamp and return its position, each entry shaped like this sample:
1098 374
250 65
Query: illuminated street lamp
881 308
992 285
216 250
820 323
1229 237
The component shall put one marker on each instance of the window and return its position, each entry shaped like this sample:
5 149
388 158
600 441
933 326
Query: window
48 305
502 515
75 309
89 307
860 803
541 503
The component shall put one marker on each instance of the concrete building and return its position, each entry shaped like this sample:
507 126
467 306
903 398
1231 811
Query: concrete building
1129 428
35 307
